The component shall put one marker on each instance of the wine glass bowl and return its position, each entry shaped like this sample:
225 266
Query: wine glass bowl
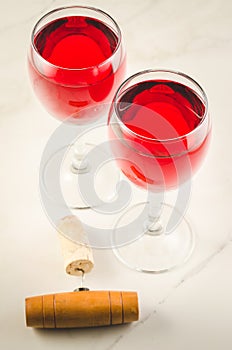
160 123
76 61
161 130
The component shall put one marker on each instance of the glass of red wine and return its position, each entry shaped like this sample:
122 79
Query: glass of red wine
76 62
160 128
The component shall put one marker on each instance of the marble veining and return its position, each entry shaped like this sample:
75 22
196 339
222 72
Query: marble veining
196 270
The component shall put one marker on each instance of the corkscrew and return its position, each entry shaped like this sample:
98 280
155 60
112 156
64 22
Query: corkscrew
82 307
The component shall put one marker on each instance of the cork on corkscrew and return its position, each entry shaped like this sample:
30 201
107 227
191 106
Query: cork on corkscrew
78 255
81 308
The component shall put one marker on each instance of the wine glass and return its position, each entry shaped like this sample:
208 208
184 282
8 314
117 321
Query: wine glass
160 128
76 62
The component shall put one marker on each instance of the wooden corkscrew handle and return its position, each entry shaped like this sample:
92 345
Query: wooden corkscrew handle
82 309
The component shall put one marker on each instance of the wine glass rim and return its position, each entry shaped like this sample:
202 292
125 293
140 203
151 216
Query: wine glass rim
176 72
119 37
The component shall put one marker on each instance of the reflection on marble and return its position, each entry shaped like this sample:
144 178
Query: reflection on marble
187 308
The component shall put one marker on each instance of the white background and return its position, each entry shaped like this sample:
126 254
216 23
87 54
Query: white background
190 308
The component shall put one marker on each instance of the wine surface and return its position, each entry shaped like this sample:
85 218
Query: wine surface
160 109
76 42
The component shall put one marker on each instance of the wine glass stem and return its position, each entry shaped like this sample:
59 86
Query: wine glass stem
80 163
153 223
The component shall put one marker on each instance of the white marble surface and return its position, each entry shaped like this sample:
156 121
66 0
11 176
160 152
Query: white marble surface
190 308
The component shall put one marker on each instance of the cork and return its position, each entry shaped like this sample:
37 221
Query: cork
78 255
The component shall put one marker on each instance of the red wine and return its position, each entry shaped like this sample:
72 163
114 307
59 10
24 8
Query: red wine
159 142
71 70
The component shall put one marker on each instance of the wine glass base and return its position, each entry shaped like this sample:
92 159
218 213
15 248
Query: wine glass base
152 253
69 194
